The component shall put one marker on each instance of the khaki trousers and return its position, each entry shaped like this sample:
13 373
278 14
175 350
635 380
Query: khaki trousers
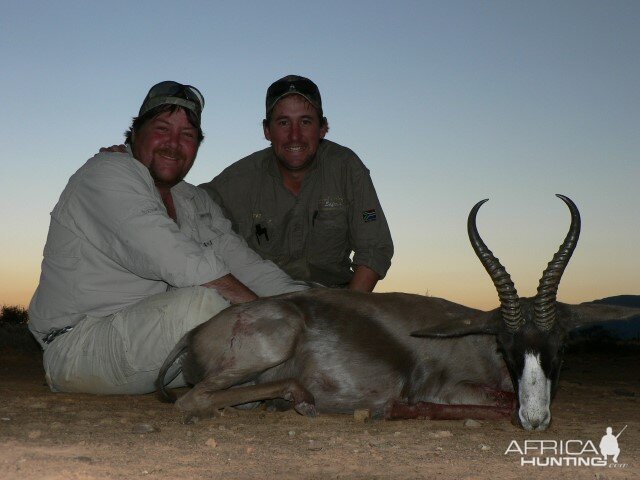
122 353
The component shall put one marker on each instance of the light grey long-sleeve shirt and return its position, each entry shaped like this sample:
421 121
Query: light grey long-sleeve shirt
111 244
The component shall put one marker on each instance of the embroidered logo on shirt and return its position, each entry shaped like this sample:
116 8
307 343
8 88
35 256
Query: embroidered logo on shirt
369 215
329 203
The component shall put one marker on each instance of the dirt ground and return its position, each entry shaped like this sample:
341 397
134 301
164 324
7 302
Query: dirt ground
62 436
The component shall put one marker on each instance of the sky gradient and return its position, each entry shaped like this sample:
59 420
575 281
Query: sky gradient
446 103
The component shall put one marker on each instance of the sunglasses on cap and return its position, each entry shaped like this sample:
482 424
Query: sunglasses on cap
174 93
293 84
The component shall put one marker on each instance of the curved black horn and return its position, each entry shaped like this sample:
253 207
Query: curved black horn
544 304
509 301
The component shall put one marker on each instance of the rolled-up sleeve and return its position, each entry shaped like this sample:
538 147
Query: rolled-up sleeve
369 233
114 206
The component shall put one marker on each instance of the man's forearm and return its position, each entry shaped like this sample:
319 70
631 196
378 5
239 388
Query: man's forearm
232 289
364 279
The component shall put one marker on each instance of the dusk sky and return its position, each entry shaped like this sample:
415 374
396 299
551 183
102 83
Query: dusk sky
446 103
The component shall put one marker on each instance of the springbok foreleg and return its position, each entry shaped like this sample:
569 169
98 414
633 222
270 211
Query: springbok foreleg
203 400
503 405
439 411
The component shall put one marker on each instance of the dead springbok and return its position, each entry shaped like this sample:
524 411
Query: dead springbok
338 350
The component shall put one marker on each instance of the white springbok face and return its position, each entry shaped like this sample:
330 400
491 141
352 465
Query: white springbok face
534 360
534 393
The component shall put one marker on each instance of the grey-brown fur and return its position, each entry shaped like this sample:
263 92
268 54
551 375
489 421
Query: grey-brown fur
341 350
348 349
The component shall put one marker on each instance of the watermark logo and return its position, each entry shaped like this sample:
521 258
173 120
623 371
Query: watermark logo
569 453
609 444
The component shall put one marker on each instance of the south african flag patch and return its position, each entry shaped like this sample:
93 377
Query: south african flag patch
369 215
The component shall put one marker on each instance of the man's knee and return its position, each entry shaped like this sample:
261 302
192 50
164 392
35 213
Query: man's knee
152 327
204 303
186 308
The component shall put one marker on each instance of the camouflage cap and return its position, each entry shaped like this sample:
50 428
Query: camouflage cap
173 93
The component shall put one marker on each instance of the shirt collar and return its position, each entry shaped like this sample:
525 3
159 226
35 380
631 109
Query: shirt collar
183 190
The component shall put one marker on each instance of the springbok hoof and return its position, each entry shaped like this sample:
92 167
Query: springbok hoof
307 409
190 419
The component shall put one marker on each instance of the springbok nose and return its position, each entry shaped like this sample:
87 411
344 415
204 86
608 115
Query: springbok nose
536 423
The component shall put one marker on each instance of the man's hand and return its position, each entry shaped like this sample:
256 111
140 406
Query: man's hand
232 289
114 149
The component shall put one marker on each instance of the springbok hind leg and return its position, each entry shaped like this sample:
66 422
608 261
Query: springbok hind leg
204 400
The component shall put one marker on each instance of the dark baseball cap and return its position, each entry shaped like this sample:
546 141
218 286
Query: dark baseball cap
293 84
173 93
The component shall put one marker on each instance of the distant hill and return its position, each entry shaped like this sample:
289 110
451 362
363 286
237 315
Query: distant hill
612 331
621 300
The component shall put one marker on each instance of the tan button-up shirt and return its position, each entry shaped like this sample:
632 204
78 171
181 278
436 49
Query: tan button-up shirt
313 235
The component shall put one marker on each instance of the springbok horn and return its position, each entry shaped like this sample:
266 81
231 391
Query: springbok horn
544 304
509 301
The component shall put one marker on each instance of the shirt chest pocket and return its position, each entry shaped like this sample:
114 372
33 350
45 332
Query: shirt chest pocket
329 234
205 231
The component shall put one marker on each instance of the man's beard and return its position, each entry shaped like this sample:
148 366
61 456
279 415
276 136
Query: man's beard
178 157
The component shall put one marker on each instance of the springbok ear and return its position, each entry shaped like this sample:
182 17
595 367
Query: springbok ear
478 323
586 314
